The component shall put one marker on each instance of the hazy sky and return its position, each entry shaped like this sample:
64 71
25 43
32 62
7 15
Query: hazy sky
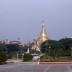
23 19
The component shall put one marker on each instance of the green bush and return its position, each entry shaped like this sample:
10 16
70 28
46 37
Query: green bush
27 57
3 57
9 56
43 57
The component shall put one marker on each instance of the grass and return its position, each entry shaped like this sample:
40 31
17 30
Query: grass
31 61
56 59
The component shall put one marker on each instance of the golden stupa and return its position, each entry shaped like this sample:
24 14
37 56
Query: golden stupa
43 37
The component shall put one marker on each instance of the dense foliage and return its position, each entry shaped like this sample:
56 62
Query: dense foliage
3 57
3 53
50 48
54 48
27 57
12 48
67 42
3 48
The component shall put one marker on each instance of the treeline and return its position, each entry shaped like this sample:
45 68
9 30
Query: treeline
60 48
8 51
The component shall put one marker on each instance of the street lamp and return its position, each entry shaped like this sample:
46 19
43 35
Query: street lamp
17 56
49 49
22 56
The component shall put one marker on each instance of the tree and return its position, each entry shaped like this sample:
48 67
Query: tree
3 48
3 53
67 42
12 48
22 49
3 57
56 48
27 57
34 51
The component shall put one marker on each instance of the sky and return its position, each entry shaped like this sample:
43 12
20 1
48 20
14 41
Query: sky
23 19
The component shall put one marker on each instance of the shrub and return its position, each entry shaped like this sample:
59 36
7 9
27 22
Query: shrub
43 57
3 57
27 57
9 56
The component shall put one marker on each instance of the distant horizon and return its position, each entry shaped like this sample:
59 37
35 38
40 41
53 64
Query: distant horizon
23 19
16 39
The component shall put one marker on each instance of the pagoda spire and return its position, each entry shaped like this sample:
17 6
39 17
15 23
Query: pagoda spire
43 37
43 27
43 32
